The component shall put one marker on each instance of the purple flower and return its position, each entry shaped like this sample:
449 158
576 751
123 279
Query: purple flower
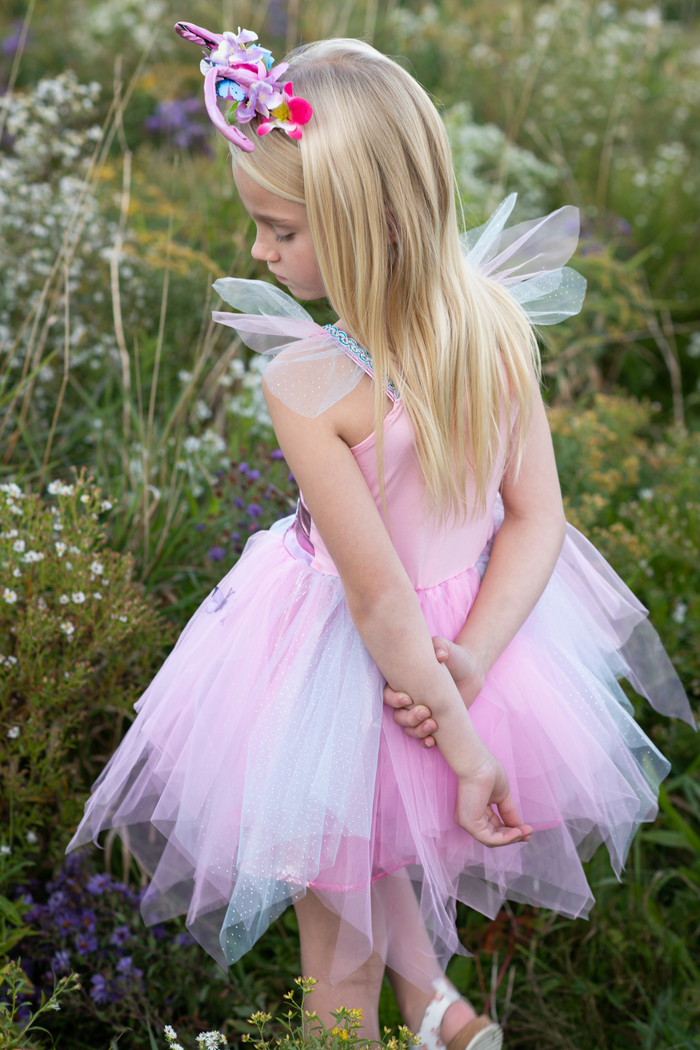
254 475
11 43
99 991
263 95
60 962
184 940
55 901
85 944
235 536
99 884
120 936
216 553
67 921
243 468
159 932
87 920
254 510
199 528
277 454
175 121
239 502
290 477
124 965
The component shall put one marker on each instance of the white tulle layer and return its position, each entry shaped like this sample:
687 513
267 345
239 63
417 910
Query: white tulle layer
262 762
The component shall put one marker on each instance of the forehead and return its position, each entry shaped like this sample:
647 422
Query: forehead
264 206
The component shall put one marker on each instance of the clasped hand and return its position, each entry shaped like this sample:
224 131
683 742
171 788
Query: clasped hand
487 786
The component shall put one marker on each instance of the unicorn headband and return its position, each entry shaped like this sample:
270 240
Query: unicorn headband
234 68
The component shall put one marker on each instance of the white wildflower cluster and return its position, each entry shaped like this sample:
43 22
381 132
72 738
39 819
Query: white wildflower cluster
248 400
133 20
51 138
7 661
487 166
57 488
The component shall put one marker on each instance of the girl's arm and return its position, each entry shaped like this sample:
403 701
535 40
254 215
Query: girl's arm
524 553
385 609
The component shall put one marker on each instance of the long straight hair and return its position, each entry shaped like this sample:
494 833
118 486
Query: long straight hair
374 170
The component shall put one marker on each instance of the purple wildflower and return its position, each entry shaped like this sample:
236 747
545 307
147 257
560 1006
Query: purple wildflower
243 468
254 510
55 901
177 121
277 454
216 553
239 502
124 965
120 936
85 944
253 475
184 940
99 884
199 527
99 991
11 43
67 921
87 921
60 962
290 477
159 932
235 536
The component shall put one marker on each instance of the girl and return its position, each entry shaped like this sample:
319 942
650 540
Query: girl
262 769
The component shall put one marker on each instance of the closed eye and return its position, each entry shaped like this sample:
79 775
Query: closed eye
283 240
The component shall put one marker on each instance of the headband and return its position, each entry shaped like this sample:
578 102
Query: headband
236 69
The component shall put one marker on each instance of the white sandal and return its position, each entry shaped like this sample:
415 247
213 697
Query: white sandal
480 1034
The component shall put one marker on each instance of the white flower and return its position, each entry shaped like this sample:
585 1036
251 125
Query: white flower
105 505
33 556
13 733
5 851
57 488
7 661
85 498
60 548
123 619
64 599
41 604
32 838
12 489
57 525
78 597
97 567
16 510
69 565
97 596
74 550
170 1032
53 1006
646 494
9 596
9 534
67 628
16 573
18 546
678 614
191 443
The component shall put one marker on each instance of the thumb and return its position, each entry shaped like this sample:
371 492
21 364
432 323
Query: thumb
442 648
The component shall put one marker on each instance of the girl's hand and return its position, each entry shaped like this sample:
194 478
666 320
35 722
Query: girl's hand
477 795
418 721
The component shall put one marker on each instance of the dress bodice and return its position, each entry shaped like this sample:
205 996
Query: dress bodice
429 553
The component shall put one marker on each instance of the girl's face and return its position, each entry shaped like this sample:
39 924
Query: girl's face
283 238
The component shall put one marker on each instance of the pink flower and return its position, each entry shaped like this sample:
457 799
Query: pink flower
289 115
262 92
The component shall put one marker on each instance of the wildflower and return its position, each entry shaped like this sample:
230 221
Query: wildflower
120 936
97 567
277 454
17 574
97 596
57 488
646 494
78 597
124 965
85 498
5 851
67 628
32 838
254 510
99 991
60 962
99 884
13 733
243 468
86 944
60 547
679 613
239 502
64 599
18 546
9 596
10 534
169 1032
216 553
33 556
7 661
105 505
53 1005
253 475
183 940
12 490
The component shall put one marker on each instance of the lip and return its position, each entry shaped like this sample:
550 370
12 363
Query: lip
279 278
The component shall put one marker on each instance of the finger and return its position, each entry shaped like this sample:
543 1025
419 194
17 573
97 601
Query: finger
410 717
508 811
429 742
418 733
392 698
442 648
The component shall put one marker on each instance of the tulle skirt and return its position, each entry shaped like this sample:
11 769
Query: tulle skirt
263 763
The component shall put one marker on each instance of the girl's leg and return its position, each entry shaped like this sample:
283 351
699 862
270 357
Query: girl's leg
318 934
413 1002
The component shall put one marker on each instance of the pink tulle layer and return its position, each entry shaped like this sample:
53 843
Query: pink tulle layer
262 762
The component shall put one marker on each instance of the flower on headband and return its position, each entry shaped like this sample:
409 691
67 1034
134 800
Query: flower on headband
237 70
292 112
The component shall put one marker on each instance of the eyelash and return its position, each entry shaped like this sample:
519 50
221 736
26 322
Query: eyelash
283 240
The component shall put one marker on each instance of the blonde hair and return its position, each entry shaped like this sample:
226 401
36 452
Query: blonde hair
374 170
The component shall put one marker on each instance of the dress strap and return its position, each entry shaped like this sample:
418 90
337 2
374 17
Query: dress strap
361 357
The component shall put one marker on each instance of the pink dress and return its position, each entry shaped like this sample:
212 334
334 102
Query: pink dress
263 762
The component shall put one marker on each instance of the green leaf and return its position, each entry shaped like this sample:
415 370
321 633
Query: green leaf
681 825
8 909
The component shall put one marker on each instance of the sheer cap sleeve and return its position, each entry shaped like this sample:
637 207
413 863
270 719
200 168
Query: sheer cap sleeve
308 370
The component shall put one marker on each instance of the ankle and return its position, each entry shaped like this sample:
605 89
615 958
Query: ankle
456 1017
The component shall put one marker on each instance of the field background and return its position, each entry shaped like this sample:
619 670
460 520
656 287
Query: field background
138 427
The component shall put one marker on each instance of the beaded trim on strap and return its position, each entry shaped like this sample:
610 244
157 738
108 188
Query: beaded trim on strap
361 356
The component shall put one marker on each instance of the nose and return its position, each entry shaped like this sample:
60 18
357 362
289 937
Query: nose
263 251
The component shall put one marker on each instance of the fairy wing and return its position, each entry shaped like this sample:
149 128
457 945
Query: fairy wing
308 370
529 259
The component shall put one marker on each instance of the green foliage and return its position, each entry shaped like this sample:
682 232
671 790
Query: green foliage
14 985
79 642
